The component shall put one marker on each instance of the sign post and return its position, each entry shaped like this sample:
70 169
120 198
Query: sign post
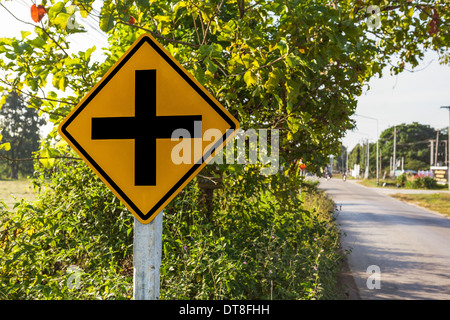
147 250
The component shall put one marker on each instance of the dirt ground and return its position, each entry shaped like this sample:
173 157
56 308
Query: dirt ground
347 283
12 191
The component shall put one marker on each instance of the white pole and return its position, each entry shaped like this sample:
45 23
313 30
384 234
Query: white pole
147 249
394 160
448 145
378 173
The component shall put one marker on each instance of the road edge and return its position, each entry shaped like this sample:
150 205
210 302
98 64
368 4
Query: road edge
346 281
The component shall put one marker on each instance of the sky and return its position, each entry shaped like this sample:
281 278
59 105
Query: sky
406 98
392 100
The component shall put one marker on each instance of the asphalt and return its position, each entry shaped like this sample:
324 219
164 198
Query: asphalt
408 245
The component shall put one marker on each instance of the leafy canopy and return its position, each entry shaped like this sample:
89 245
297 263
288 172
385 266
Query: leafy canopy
297 66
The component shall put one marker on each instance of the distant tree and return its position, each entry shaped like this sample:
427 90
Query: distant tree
340 159
413 144
19 127
354 156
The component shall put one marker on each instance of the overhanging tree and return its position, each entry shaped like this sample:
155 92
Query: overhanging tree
298 66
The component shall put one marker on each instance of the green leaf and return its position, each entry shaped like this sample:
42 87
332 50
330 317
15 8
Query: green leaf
88 53
55 10
107 22
25 34
5 146
282 46
84 13
62 19
37 42
293 124
45 159
60 81
272 82
249 78
2 101
107 17
410 12
143 4
179 5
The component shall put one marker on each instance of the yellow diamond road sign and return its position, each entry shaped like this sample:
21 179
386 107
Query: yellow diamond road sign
129 127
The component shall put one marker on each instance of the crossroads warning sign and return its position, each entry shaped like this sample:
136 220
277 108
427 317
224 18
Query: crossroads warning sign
126 127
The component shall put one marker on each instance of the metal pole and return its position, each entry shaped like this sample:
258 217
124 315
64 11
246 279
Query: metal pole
448 145
394 160
437 148
378 176
431 152
368 160
359 115
147 250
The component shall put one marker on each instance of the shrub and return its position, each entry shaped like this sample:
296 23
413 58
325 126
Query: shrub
401 180
425 183
259 239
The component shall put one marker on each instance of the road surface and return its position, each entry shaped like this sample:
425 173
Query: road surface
408 245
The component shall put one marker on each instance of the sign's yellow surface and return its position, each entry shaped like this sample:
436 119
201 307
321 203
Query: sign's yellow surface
123 127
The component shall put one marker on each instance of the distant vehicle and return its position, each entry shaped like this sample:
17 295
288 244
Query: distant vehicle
327 175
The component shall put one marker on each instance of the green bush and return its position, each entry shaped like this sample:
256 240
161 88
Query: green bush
258 238
401 180
425 183
76 221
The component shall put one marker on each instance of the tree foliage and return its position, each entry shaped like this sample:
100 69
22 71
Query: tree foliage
413 145
20 134
298 66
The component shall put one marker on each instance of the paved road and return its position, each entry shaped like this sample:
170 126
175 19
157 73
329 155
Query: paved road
410 245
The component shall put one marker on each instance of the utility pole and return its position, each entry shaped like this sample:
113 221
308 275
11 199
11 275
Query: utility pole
390 166
377 171
437 147
368 160
448 145
394 163
431 152
346 161
446 153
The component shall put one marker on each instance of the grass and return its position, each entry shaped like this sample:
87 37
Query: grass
439 202
390 183
11 191
373 183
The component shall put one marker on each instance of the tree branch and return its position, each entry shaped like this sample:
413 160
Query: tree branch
196 29
218 8
36 158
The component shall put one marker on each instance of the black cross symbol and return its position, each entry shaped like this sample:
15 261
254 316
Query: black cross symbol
145 127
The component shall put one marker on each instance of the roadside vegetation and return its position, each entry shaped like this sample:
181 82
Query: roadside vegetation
439 202
404 182
263 241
